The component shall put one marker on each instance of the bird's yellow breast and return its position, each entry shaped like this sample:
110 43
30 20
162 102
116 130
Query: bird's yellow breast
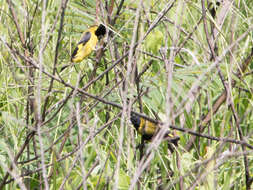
147 127
85 50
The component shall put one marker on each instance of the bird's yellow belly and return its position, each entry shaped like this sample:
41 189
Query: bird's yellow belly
85 50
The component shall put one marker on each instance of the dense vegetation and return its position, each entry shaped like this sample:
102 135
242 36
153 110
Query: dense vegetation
186 64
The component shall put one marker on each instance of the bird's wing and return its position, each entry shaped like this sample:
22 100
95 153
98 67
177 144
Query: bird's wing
85 38
83 41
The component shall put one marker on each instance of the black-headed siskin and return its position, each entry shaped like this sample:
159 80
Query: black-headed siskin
88 43
148 129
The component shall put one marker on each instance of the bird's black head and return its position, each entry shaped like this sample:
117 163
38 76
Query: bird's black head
136 121
100 31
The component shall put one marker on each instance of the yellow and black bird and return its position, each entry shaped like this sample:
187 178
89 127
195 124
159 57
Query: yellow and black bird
148 129
87 43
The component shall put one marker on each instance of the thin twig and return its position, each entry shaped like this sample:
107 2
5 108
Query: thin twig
63 7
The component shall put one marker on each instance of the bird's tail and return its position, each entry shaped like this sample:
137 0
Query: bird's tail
64 67
172 141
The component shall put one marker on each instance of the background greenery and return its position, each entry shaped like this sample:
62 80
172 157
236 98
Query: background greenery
57 137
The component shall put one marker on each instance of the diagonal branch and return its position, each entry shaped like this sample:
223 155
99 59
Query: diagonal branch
220 100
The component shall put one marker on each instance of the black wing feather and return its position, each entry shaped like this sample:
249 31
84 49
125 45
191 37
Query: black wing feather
74 52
